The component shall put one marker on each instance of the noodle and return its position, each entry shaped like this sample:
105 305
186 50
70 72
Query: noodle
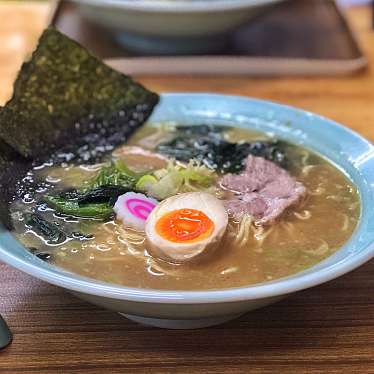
248 253
345 222
339 199
133 240
305 157
229 270
261 234
109 230
153 267
246 226
153 272
306 170
304 215
318 191
108 259
242 236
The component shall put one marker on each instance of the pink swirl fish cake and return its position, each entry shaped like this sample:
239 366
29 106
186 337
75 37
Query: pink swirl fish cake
133 209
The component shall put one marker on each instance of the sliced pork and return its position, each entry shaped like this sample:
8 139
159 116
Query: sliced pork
263 190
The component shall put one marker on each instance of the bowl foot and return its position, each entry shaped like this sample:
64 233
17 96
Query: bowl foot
181 324
157 45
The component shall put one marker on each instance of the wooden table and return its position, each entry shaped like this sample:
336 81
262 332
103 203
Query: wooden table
328 329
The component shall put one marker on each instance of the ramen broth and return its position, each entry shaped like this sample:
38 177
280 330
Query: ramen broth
305 234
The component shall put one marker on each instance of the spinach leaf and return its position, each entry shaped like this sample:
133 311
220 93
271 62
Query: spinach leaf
115 174
93 203
101 211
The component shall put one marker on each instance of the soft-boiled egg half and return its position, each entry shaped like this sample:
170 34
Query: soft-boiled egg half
185 226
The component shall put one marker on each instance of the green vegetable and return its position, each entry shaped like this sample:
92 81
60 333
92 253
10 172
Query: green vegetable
101 211
167 186
199 175
115 174
176 178
145 182
65 95
102 194
97 197
48 230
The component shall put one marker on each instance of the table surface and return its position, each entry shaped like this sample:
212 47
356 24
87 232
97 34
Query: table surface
328 329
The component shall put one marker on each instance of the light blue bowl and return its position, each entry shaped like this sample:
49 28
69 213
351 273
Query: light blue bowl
190 309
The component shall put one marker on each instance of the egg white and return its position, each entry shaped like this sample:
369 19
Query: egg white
184 252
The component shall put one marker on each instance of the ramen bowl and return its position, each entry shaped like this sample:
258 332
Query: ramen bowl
172 26
347 150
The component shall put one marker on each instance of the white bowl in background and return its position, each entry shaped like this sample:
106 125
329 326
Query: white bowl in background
172 26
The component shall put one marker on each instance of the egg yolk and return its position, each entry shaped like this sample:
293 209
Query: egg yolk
184 226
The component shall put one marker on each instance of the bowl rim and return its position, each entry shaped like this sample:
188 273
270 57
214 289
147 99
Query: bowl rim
178 6
275 288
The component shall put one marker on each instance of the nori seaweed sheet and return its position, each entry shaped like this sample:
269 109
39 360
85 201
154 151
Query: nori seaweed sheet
66 105
12 168
64 93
